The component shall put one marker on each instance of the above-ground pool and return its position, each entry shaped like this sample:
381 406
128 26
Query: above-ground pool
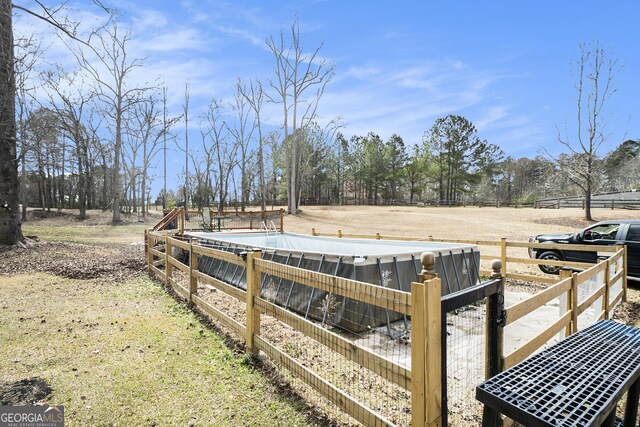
388 263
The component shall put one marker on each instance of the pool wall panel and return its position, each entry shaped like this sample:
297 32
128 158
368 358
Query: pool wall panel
457 269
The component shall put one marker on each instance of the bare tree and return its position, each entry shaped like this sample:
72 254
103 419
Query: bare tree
225 152
594 77
242 133
275 172
111 68
10 221
71 101
28 53
149 129
300 82
211 177
254 95
164 148
185 109
42 133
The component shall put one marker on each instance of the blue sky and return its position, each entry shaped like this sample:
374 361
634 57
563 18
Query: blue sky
504 65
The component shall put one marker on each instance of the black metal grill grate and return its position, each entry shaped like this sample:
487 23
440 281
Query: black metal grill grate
574 383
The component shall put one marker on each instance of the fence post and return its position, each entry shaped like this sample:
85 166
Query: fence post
565 298
253 314
625 267
418 354
426 350
282 220
503 255
574 303
494 342
193 265
607 286
167 265
148 239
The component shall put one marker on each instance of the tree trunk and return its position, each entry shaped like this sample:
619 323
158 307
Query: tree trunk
143 190
48 183
89 171
82 203
23 183
134 196
61 190
116 164
105 203
10 224
587 204
263 200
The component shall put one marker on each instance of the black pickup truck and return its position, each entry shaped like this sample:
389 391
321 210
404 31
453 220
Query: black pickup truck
605 233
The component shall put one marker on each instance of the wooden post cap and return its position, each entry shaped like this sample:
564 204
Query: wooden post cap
428 259
496 265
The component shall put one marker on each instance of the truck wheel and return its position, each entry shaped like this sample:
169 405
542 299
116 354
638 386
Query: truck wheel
550 255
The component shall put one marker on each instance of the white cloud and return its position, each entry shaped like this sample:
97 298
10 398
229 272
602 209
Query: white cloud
491 116
244 34
406 99
148 19
360 73
173 40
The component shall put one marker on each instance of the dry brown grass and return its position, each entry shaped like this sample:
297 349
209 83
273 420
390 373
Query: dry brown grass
453 223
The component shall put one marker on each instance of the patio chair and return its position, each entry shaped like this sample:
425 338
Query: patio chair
206 219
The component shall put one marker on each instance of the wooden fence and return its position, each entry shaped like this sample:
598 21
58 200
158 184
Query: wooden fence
606 280
579 203
603 283
422 380
506 255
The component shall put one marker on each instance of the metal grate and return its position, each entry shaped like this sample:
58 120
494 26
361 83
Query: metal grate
576 382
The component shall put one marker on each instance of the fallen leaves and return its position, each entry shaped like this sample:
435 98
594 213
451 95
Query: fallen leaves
74 261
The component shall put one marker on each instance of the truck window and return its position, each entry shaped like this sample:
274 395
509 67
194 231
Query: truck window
604 232
634 233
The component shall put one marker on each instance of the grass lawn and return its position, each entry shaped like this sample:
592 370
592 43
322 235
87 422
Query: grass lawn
92 234
128 354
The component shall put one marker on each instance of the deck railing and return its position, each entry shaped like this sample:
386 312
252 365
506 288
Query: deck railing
193 219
